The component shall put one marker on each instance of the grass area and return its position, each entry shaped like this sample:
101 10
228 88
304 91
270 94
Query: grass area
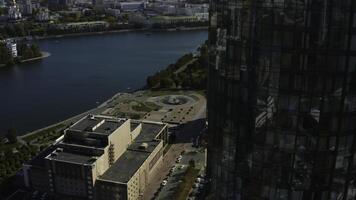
201 92
187 182
153 105
141 107
43 134
156 93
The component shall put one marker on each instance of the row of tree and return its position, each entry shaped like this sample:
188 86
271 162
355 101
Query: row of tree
27 51
5 55
193 77
28 28
24 50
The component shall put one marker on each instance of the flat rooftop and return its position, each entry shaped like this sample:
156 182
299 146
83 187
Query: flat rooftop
71 157
133 158
149 131
129 163
39 160
97 124
125 167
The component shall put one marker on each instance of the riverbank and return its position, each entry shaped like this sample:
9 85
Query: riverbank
44 54
109 32
72 119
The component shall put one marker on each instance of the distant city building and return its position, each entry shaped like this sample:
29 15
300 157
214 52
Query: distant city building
42 15
12 48
202 16
165 9
192 9
112 11
174 8
132 6
174 19
27 7
59 3
35 5
14 11
99 157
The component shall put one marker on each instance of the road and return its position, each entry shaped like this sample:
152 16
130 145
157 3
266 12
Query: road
189 130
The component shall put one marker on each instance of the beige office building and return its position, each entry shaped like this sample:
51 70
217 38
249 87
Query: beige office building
99 157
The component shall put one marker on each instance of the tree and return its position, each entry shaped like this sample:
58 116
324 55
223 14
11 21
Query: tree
192 163
3 11
166 83
20 29
36 50
11 135
5 55
111 20
152 81
27 54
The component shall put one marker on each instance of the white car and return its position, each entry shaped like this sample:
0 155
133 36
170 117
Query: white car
164 182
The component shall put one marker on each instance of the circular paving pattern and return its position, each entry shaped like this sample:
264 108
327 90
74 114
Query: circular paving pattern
172 100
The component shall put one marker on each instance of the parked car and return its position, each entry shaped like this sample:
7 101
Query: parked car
200 180
164 182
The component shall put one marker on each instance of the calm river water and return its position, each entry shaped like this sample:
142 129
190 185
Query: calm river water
83 71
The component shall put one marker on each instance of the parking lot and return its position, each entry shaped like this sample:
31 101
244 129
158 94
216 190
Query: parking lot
171 183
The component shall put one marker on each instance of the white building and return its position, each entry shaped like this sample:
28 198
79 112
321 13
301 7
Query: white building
191 9
202 16
14 11
12 47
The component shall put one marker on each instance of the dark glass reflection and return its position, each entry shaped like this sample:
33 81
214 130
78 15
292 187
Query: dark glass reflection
282 99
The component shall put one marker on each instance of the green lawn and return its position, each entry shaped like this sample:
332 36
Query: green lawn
141 107
43 134
156 93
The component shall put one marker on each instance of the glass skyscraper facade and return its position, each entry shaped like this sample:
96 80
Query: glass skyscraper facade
282 100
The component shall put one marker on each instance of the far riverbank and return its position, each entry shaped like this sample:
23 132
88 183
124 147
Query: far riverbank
109 32
44 54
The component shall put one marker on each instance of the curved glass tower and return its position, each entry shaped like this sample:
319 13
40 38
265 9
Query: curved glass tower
282 100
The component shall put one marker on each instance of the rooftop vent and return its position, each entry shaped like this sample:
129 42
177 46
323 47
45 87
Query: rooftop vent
91 117
143 146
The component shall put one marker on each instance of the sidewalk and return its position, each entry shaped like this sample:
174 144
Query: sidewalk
161 172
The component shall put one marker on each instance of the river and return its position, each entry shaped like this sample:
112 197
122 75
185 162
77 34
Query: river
83 72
